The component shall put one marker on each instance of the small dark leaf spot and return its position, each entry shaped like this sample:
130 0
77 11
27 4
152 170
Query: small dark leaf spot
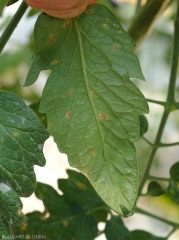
54 62
94 152
81 186
105 25
68 114
51 39
69 93
91 93
65 224
50 123
89 11
114 47
66 23
103 116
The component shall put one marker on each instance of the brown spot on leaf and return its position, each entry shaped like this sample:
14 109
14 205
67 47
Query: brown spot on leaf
105 25
68 114
89 11
94 152
69 93
50 124
54 62
103 116
66 22
91 93
51 39
114 47
81 186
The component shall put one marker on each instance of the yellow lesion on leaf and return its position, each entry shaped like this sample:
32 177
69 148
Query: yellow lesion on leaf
81 185
15 134
65 224
23 227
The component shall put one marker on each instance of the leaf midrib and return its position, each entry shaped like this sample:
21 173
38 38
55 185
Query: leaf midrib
84 70
83 63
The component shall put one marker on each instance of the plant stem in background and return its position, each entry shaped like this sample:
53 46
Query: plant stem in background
12 25
145 19
138 5
170 99
175 225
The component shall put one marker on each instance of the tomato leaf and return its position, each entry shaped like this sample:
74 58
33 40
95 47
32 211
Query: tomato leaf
141 235
173 188
67 216
21 142
92 106
155 190
115 229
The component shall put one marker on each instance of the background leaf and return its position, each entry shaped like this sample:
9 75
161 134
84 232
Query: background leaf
173 188
115 229
10 2
154 189
69 216
92 107
141 235
143 125
21 142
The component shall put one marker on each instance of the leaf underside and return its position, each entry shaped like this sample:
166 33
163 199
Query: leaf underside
21 141
92 106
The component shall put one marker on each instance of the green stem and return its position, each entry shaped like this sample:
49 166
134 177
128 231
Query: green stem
174 64
138 5
145 19
156 102
175 225
12 25
168 144
156 146
158 178
170 99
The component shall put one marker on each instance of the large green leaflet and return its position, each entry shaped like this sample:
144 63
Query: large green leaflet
92 107
70 216
21 141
